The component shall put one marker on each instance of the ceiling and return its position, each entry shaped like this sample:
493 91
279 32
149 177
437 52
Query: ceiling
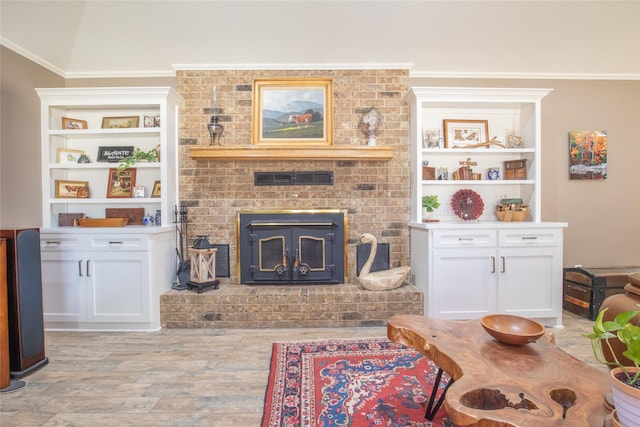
91 38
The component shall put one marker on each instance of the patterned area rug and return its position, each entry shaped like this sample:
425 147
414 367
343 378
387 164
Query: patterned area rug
358 383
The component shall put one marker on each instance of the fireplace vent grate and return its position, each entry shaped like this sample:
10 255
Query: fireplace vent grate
293 178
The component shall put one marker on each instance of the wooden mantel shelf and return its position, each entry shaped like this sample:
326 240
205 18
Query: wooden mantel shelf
313 153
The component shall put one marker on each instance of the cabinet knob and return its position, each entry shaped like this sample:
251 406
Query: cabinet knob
529 237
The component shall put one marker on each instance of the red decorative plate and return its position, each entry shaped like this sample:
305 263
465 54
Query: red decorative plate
467 204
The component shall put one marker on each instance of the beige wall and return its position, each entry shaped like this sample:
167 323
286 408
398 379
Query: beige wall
20 171
602 216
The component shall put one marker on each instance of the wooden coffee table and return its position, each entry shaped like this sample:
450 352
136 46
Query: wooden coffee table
498 385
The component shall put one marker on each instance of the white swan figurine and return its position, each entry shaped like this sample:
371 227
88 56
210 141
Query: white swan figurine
379 280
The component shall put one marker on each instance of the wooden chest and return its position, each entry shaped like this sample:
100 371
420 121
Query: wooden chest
586 288
515 169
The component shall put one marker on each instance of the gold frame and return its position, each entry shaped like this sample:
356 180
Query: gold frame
80 189
156 191
299 129
131 122
116 192
450 126
73 124
60 155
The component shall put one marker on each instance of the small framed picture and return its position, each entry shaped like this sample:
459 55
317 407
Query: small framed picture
68 155
121 183
149 120
72 189
68 123
465 133
120 122
138 191
156 189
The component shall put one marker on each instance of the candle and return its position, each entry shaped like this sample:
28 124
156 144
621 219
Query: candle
215 96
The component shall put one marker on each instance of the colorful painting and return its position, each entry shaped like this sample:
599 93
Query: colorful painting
588 154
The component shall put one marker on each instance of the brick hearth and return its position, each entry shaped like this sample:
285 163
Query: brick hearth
242 306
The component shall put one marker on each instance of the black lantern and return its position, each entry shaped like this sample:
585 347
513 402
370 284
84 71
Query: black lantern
203 265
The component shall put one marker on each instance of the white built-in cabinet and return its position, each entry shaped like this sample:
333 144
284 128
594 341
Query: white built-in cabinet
107 278
471 268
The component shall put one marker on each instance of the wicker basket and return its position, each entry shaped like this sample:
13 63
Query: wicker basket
505 214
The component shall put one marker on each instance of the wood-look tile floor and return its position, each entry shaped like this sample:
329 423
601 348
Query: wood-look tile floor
175 377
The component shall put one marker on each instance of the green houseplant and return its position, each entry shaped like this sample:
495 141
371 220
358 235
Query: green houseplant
138 155
430 203
627 333
624 379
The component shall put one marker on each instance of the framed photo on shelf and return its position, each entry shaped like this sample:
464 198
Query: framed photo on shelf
465 133
120 122
71 189
121 183
292 111
156 189
69 123
68 155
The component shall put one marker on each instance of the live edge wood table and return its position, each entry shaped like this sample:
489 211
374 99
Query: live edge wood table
498 385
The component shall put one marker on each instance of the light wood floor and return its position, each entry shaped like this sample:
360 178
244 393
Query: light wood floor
175 377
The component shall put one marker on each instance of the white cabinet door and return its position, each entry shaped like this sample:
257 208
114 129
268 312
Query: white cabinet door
528 283
117 287
62 286
464 283
63 272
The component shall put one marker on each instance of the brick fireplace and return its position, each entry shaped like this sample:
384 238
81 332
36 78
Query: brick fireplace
374 194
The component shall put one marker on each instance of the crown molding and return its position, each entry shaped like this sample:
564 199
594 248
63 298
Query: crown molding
31 57
298 66
536 76
119 74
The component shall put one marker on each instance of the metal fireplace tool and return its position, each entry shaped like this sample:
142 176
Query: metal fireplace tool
181 221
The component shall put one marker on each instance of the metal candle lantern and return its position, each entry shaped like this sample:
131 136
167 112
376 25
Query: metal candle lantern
203 265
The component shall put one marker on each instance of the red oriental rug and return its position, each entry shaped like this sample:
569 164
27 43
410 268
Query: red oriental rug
355 382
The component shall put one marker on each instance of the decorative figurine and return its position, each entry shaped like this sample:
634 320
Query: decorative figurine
369 125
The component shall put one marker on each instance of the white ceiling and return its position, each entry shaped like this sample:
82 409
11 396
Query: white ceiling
91 38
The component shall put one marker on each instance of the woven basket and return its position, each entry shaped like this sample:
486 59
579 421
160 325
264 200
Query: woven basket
504 214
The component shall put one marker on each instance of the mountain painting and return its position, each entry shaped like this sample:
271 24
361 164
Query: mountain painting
292 111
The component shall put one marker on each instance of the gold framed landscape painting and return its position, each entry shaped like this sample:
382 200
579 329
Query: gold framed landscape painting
292 111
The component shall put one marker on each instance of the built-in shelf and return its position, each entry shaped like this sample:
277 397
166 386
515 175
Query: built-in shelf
293 152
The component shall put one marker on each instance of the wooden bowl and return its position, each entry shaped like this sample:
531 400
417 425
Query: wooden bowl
513 330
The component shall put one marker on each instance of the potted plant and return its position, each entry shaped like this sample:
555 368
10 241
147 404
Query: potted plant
625 380
429 204
138 155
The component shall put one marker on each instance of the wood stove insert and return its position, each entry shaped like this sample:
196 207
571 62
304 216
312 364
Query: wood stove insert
292 247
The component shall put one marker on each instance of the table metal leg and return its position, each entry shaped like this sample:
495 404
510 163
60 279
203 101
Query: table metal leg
431 409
